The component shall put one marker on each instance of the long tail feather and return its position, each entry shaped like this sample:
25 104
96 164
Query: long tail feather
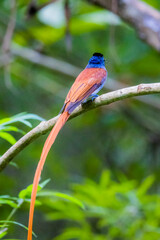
50 140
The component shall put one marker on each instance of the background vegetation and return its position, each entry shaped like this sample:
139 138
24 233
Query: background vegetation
104 166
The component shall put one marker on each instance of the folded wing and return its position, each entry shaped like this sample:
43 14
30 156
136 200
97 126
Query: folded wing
88 81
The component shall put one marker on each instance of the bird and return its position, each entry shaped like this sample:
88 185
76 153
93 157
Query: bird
86 86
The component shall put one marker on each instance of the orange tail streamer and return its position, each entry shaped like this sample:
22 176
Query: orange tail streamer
50 140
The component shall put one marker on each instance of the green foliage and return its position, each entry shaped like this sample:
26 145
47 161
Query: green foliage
112 210
15 223
27 192
123 137
108 209
67 197
24 196
6 125
15 203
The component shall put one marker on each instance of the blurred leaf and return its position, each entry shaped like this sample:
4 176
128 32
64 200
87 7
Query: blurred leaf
47 34
8 137
17 223
44 183
63 196
101 17
146 184
3 232
105 179
21 117
79 26
107 205
8 202
27 191
9 197
53 15
14 164
11 128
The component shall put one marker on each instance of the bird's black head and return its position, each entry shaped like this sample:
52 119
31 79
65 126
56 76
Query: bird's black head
97 54
96 61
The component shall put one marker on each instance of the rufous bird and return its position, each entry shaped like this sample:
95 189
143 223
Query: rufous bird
86 86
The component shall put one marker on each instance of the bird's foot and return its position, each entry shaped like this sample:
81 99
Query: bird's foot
89 100
94 96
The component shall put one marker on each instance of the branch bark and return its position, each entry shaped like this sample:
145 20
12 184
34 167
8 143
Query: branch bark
45 61
6 45
105 99
69 69
141 16
10 29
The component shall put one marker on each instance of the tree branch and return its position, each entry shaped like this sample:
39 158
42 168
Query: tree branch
68 69
45 61
6 45
105 99
141 16
10 29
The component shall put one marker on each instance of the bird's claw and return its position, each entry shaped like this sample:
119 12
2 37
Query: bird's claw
94 96
90 99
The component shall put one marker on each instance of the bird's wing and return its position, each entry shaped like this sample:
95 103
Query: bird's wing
85 84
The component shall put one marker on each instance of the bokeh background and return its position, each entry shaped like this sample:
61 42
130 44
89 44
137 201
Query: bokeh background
104 166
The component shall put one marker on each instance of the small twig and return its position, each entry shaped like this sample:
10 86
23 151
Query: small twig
105 99
45 61
68 34
10 29
14 210
4 60
6 45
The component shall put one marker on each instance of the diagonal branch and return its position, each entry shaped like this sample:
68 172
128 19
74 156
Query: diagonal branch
105 99
141 16
68 69
45 61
